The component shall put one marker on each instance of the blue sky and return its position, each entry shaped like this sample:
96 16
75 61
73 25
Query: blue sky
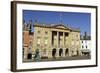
72 19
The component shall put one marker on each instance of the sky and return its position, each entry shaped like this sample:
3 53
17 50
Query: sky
71 19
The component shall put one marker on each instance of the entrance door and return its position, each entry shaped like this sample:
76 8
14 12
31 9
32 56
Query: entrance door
54 53
60 52
77 52
66 52
29 56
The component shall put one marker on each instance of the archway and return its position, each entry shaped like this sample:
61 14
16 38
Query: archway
60 52
66 51
77 52
54 52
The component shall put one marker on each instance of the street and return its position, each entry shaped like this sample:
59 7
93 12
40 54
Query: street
61 59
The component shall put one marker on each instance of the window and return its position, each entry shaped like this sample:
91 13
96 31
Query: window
29 48
82 41
77 39
77 43
46 41
38 40
72 42
86 46
46 32
44 52
82 46
30 42
67 34
23 52
38 45
76 35
38 31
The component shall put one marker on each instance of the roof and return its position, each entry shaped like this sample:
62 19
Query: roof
58 26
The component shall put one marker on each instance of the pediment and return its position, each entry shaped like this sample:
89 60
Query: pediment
61 27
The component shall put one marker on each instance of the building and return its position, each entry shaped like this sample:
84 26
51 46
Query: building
54 41
27 41
85 44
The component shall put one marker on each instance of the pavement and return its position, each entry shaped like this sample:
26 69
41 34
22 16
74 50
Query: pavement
61 59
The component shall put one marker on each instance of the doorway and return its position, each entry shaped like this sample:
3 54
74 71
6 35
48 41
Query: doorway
54 53
60 52
29 56
66 51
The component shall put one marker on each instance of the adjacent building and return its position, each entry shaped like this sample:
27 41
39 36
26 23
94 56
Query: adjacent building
27 40
85 44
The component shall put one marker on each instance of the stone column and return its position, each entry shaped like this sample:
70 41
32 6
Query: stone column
57 48
63 40
57 39
51 38
63 44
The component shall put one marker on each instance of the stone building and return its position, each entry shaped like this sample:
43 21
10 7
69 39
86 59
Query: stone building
56 40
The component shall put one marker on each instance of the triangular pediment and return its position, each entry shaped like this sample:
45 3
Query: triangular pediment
61 27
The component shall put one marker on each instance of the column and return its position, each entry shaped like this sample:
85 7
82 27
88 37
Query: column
64 44
63 39
57 48
51 39
57 40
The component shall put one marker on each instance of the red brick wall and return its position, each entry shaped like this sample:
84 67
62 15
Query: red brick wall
26 38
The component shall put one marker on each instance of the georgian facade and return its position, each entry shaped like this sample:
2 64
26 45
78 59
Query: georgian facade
56 41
